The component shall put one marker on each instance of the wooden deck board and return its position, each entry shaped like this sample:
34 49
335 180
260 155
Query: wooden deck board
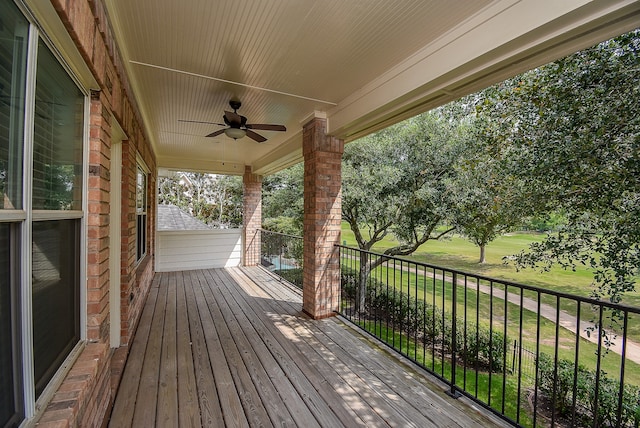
189 412
355 371
167 408
256 367
147 398
228 395
339 377
231 347
298 371
122 413
210 409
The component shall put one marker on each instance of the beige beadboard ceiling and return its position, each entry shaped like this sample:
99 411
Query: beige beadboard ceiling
362 64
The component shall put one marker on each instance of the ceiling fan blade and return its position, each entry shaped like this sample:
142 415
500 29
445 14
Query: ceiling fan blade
266 127
233 117
215 134
198 121
255 136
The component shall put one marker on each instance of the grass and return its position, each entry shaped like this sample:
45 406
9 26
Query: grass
439 293
485 387
458 253
504 391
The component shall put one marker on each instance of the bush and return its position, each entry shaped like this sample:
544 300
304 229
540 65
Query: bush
294 276
415 318
561 380
606 413
483 348
349 284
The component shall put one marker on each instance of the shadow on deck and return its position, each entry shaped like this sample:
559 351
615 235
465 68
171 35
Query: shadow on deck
231 347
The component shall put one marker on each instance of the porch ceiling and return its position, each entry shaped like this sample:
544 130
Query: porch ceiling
364 64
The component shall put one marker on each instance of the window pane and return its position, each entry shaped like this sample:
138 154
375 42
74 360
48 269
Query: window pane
141 209
57 139
56 285
10 391
142 236
141 191
13 61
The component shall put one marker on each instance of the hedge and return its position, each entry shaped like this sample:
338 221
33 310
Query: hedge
606 413
479 347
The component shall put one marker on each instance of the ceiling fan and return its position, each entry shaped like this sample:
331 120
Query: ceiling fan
237 126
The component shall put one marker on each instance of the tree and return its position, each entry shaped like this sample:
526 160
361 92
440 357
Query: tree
573 131
485 201
172 192
394 181
283 200
214 199
486 197
225 193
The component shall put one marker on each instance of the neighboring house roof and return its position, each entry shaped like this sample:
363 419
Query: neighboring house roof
170 217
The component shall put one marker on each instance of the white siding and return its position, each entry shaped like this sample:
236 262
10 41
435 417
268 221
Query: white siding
198 249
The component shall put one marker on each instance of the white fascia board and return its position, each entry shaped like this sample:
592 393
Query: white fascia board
504 39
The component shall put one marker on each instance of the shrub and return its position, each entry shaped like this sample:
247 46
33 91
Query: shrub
294 276
482 349
606 414
558 381
349 283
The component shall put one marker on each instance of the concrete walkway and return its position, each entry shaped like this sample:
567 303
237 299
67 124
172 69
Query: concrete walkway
566 321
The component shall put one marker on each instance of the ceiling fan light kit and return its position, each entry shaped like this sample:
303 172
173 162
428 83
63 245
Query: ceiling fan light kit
235 133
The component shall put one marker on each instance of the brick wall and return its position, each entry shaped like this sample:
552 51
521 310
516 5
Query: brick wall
252 216
322 216
86 394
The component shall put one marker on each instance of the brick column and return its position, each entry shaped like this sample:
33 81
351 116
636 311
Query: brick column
322 215
252 216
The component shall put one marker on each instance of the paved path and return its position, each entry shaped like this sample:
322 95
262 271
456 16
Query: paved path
566 321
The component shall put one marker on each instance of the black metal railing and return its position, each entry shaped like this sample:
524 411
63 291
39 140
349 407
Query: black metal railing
535 357
282 254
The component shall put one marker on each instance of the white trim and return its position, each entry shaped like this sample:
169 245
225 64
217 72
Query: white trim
52 30
13 216
84 258
29 390
44 215
140 161
25 217
115 211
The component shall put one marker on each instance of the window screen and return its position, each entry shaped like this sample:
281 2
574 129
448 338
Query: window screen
56 295
57 138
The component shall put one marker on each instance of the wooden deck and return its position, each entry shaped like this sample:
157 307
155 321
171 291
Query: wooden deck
231 347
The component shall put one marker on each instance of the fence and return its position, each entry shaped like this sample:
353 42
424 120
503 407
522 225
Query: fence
282 254
535 357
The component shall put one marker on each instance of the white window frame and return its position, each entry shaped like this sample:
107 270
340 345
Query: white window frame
142 166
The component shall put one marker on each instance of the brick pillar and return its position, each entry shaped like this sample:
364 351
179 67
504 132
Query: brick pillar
322 215
252 216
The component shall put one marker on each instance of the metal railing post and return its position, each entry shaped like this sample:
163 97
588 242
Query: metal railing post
453 391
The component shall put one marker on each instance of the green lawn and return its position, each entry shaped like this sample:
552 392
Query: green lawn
439 293
458 253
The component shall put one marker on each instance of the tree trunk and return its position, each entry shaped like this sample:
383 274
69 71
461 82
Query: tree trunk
483 258
363 279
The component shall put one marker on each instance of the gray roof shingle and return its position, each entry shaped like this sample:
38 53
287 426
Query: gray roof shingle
170 217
